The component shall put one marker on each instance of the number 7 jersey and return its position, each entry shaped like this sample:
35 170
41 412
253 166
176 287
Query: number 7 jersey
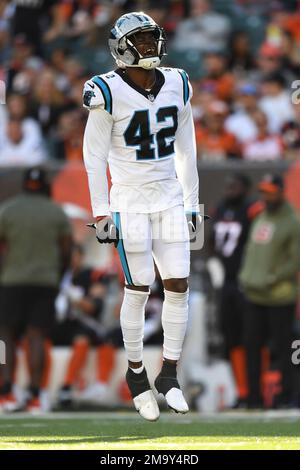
148 140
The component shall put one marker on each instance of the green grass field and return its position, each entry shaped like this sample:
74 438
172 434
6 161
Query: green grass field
128 431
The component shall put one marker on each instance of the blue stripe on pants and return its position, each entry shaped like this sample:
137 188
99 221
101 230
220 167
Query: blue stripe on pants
121 250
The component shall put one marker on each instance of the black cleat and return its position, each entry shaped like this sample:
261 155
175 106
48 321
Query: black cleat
65 397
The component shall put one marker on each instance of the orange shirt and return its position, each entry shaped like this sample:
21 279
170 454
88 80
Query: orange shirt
73 150
292 24
223 142
222 87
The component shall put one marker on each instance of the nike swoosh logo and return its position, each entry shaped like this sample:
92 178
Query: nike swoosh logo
92 86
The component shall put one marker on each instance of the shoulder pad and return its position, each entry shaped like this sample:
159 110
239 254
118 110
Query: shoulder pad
97 94
92 96
166 69
187 89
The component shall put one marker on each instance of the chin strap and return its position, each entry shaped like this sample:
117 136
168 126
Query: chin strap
120 64
148 63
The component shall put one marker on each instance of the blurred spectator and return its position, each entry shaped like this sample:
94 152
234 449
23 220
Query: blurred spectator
265 146
203 30
73 70
169 12
76 95
276 102
77 19
78 23
58 59
48 102
269 58
241 122
272 59
291 135
5 14
291 56
201 101
159 10
17 148
68 144
82 299
269 279
214 143
251 7
291 23
31 17
17 108
37 236
282 20
24 81
240 59
21 51
231 224
217 79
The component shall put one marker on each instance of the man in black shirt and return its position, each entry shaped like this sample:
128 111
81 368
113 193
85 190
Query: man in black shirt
31 18
231 223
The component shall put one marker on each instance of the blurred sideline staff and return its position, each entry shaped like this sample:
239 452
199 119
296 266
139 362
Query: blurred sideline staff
232 219
269 279
37 239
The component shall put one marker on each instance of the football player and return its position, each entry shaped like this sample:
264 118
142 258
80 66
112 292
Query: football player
140 123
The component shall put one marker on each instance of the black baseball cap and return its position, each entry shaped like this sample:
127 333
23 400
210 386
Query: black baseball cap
35 179
271 184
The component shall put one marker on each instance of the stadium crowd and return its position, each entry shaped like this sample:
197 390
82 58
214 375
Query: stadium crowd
243 59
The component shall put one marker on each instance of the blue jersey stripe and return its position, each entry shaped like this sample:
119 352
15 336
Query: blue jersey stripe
105 90
121 250
185 82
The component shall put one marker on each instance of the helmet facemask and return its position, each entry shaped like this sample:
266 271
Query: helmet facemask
129 55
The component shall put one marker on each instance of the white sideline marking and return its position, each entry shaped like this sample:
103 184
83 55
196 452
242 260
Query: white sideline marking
265 416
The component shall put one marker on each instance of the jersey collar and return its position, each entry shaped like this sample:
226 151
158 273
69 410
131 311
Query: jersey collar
150 95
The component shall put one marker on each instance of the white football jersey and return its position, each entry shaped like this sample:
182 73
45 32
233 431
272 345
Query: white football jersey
147 138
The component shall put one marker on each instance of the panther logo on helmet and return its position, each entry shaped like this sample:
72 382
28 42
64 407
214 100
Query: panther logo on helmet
122 45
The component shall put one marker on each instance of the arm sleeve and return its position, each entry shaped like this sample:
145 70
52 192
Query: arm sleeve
291 266
186 159
96 145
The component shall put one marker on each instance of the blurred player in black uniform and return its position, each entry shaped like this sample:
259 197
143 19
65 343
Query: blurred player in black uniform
80 308
231 223
80 305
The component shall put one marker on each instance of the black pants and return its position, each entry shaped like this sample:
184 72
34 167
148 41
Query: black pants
232 307
22 306
270 326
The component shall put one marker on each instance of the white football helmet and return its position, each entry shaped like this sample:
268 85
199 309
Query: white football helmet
122 46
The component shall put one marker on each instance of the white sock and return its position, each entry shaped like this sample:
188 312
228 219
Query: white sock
132 319
139 370
174 321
